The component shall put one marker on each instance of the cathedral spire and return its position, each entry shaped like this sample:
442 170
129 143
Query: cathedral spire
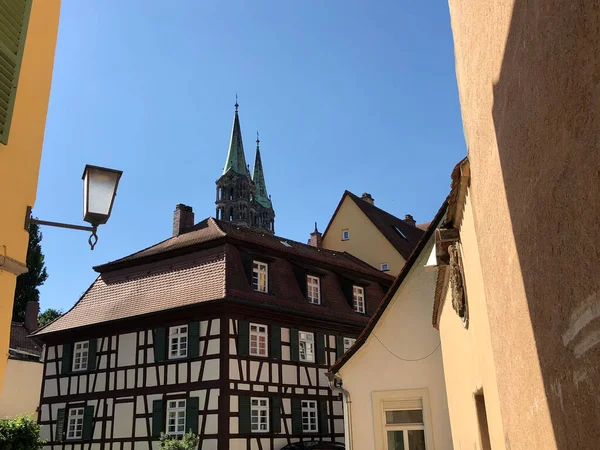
258 177
236 160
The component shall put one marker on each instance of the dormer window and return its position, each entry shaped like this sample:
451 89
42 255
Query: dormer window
313 290
358 297
260 272
345 235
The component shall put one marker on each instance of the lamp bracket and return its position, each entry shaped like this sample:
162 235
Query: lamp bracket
29 220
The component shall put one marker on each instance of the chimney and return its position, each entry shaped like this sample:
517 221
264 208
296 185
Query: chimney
367 198
316 238
410 220
32 311
183 219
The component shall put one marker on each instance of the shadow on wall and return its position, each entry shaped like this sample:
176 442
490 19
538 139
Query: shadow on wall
547 119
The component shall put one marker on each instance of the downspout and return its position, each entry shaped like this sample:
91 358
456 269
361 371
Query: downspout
335 384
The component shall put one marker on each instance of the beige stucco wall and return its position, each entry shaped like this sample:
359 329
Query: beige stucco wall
530 99
22 385
467 352
405 328
366 242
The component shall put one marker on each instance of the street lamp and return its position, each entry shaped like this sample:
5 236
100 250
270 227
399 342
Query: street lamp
99 191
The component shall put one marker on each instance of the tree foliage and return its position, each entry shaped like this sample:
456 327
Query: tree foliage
50 315
188 441
28 283
20 433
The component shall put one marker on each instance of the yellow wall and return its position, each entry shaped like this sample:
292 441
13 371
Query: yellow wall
22 385
366 242
20 159
405 329
467 352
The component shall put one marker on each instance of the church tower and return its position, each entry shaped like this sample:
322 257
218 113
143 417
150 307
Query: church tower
241 199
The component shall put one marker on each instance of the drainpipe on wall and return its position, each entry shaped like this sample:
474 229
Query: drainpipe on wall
335 384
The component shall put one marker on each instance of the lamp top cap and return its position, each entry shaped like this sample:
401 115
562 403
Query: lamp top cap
104 169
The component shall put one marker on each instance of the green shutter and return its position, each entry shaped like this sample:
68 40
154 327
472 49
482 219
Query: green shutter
294 345
88 423
92 347
67 356
300 275
192 405
275 347
14 18
320 344
244 414
275 414
323 417
160 343
243 339
194 339
158 420
60 425
296 416
339 346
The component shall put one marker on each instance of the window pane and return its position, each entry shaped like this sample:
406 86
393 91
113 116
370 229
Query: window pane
416 440
407 416
395 440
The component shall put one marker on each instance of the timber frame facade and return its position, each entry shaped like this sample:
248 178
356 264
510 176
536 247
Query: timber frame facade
122 399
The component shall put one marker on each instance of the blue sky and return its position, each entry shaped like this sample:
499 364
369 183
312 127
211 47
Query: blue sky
350 95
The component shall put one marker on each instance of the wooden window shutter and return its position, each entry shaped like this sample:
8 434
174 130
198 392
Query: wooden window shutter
158 419
320 343
323 417
275 347
294 345
275 414
60 424
243 338
194 339
88 422
347 289
247 264
296 415
14 18
300 275
67 357
244 414
339 346
192 405
160 344
92 348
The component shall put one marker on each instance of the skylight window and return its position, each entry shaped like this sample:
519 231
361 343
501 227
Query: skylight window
400 232
286 243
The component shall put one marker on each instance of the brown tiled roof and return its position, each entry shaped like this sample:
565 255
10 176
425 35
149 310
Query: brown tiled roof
150 289
362 338
390 226
206 264
423 226
22 346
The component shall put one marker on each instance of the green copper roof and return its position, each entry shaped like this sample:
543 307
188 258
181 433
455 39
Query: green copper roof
235 157
259 179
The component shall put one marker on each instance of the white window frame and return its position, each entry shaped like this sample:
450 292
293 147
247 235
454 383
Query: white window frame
381 401
260 270
75 420
385 267
263 419
178 341
310 416
308 339
176 409
358 299
313 289
261 334
348 342
81 353
346 234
